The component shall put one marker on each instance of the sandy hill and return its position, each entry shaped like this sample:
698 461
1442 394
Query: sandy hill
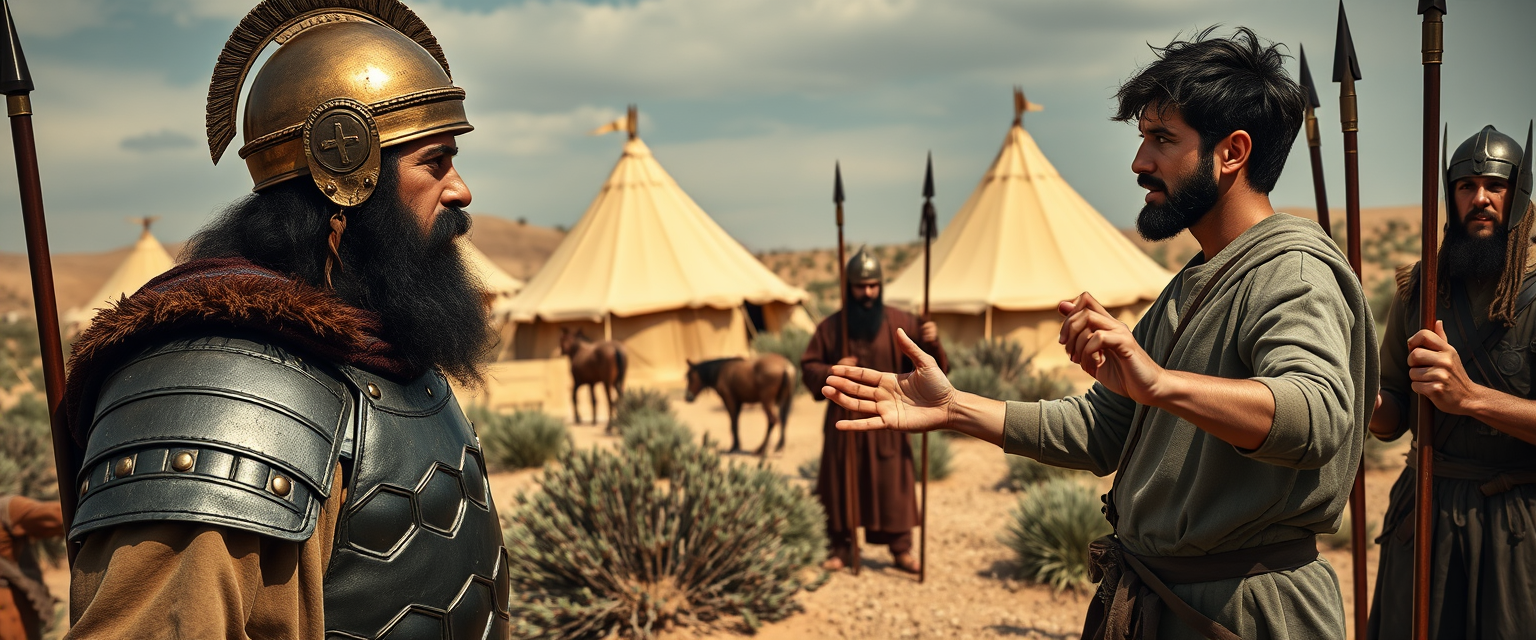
518 248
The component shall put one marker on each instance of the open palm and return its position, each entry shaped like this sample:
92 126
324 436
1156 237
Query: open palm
916 401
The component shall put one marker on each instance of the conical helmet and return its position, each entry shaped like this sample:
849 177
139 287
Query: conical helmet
863 266
348 78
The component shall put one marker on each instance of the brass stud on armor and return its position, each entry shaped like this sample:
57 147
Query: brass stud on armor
183 461
330 188
373 390
124 467
429 392
85 485
281 486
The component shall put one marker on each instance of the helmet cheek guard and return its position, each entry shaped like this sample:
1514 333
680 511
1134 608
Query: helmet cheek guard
341 146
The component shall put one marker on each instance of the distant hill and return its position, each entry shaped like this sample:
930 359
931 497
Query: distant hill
520 249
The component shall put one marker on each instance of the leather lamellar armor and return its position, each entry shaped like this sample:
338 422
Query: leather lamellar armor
241 433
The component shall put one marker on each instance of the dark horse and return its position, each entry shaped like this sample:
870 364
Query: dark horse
768 379
594 363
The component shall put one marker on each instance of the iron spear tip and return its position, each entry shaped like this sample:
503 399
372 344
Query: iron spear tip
1344 60
1306 81
928 178
1428 5
837 183
15 78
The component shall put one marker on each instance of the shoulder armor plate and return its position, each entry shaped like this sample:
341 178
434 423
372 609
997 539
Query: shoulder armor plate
218 430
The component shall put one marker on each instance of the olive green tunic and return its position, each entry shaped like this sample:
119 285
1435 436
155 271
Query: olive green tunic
1291 315
1483 581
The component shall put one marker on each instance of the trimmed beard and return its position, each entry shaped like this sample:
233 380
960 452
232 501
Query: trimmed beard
1195 196
1472 258
864 322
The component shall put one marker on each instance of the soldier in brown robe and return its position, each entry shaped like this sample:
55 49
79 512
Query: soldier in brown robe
26 606
887 497
1476 369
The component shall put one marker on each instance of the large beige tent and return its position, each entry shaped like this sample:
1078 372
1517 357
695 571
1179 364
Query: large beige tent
145 260
1022 242
647 267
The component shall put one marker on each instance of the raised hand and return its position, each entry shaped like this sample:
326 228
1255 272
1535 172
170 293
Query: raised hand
1105 349
917 401
1437 373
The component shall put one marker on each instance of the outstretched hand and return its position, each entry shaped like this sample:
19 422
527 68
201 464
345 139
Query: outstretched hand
917 401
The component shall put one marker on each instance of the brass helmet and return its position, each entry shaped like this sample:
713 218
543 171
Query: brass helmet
348 77
863 266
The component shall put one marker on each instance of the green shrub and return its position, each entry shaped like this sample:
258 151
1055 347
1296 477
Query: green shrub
1380 455
810 469
940 457
1024 473
604 550
1050 532
635 402
520 440
1341 539
660 438
26 450
997 369
790 343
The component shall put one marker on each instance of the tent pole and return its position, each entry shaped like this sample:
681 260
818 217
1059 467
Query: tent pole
986 329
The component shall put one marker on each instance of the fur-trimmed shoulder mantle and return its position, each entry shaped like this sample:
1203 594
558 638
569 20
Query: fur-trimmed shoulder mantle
226 293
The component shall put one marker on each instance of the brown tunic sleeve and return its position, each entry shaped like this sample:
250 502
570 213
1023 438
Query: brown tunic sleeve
186 580
820 354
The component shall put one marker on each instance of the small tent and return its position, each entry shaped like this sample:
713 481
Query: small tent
145 260
1022 242
499 285
647 267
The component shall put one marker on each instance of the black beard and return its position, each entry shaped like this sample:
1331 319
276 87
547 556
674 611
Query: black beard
1194 197
433 309
1472 258
864 322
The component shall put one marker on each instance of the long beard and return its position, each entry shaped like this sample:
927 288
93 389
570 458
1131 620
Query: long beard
864 322
1195 196
433 308
1472 258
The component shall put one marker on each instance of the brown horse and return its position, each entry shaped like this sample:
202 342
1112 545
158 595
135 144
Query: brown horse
594 363
768 379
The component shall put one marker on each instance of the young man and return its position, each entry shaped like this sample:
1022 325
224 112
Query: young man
1476 368
272 449
1234 413
887 498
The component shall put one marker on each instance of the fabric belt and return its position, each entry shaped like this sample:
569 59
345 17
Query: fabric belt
1129 603
1492 480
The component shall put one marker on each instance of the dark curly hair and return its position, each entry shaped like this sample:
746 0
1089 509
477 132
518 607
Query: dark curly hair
1221 85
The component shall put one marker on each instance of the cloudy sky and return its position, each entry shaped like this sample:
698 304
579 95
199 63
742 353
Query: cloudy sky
746 102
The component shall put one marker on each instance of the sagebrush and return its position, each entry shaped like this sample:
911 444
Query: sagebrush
790 343
636 402
940 456
521 439
660 436
1050 530
603 549
1024 473
996 368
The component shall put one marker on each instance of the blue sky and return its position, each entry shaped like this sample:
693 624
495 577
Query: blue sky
746 102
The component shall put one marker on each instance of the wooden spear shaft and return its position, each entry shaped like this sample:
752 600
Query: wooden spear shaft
1350 120
927 229
1319 187
850 478
46 308
1429 226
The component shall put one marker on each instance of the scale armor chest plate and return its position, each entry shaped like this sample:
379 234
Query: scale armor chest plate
418 545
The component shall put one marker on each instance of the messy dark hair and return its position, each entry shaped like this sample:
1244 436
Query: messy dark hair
1221 85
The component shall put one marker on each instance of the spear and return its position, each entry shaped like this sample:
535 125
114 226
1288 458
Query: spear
16 84
851 479
1424 527
927 228
1346 70
1315 145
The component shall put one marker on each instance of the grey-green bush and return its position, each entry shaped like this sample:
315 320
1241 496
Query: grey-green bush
790 343
660 437
1024 473
940 457
635 402
26 450
997 369
1050 531
521 439
604 549
809 469
982 381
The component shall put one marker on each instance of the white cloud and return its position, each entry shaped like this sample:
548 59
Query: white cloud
523 133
